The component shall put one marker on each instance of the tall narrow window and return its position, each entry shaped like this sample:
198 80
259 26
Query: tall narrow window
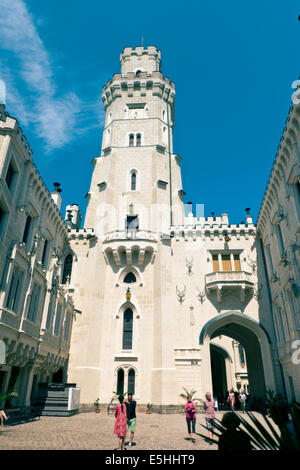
120 382
226 264
279 240
131 381
34 301
9 176
49 313
241 354
133 181
237 263
138 140
14 290
57 320
67 269
127 329
215 263
26 229
269 258
131 140
67 327
45 254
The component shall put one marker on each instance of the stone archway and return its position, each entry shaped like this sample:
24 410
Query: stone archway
221 370
255 341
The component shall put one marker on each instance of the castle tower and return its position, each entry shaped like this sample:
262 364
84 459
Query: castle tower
135 195
137 173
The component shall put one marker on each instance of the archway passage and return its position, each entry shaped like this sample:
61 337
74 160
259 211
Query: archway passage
218 371
252 349
255 342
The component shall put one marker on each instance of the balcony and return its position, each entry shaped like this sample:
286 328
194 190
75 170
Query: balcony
240 280
125 247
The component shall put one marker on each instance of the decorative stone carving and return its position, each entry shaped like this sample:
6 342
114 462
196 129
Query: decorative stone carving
180 294
201 296
189 264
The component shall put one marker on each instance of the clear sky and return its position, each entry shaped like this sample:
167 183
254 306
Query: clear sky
233 64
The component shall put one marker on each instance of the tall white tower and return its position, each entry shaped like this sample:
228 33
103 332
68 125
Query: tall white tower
137 173
134 198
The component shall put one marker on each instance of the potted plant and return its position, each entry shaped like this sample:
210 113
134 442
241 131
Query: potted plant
97 405
148 408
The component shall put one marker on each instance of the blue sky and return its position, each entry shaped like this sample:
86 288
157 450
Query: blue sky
233 64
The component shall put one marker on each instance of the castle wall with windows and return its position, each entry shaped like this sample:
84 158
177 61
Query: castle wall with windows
279 232
36 309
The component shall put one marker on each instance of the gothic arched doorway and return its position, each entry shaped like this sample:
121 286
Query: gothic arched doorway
255 342
220 363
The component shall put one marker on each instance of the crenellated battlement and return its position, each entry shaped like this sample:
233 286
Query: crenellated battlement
144 59
81 233
125 85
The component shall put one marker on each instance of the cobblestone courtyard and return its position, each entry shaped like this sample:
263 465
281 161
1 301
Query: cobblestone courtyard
91 431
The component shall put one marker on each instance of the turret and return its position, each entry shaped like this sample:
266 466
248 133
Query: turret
140 60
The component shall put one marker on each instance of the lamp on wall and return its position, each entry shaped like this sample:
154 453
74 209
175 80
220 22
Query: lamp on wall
226 236
128 294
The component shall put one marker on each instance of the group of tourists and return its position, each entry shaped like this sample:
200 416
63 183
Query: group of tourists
229 421
125 418
235 400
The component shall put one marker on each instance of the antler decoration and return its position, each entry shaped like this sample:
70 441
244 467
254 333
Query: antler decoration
201 295
189 264
252 263
180 294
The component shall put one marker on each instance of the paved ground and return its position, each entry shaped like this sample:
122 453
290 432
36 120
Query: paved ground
91 431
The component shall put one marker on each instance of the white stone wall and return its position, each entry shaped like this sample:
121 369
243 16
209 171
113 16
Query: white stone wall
31 343
279 228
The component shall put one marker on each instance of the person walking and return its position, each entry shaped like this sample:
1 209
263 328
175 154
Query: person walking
131 417
231 399
210 414
120 428
190 410
3 416
243 398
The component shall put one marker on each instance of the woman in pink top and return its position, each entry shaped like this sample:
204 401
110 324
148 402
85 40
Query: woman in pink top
210 414
190 410
231 399
120 428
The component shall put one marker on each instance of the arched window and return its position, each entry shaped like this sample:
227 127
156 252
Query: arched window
129 278
133 181
131 140
131 381
120 381
242 354
138 140
27 229
127 329
67 269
